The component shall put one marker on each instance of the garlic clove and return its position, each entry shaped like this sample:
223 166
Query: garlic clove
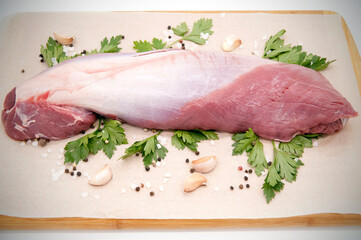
194 181
230 43
102 177
204 164
63 40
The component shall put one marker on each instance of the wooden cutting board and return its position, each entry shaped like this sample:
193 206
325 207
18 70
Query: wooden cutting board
322 219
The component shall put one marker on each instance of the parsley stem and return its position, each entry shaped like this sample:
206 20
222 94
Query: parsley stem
174 43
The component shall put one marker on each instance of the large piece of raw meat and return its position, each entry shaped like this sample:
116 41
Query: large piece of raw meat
176 89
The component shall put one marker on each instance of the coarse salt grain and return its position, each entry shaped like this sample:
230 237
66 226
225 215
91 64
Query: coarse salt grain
123 190
165 180
84 194
158 164
35 143
96 196
216 189
86 174
147 185
300 43
134 186
159 146
264 37
29 141
22 144
167 175
212 142
60 156
315 144
61 150
44 155
255 44
163 163
74 176
71 48
161 188
49 150
263 173
58 163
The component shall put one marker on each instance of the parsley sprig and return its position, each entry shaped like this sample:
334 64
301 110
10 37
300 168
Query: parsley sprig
108 135
190 139
150 148
55 50
285 159
200 28
249 142
276 50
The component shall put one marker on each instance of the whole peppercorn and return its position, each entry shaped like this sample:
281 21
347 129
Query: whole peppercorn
147 168
151 193
187 160
246 171
250 171
245 178
66 170
72 173
85 160
240 168
123 37
137 189
22 70
169 27
240 186
247 185
231 187
137 154
159 159
78 173
42 142
74 168
197 153
192 170
269 163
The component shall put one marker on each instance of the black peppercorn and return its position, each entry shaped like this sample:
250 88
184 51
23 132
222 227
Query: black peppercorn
187 160
78 173
169 27
137 189
22 70
41 55
66 170
137 154
72 173
42 60
250 171
231 187
240 186
147 168
92 126
246 171
159 159
245 178
71 45
192 170
169 37
269 163
85 159
82 132
123 37
74 168
151 194
197 152
183 45
247 185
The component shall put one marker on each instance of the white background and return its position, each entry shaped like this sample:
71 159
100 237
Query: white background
349 9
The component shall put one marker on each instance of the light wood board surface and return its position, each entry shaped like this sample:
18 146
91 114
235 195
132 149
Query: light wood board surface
313 220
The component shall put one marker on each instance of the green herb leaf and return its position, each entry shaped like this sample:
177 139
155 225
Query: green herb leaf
297 145
110 46
202 26
104 139
244 142
257 159
189 139
276 50
142 46
269 191
181 29
158 43
150 148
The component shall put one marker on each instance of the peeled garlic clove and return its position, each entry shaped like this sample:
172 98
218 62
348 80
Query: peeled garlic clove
194 181
102 177
204 164
63 40
230 43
